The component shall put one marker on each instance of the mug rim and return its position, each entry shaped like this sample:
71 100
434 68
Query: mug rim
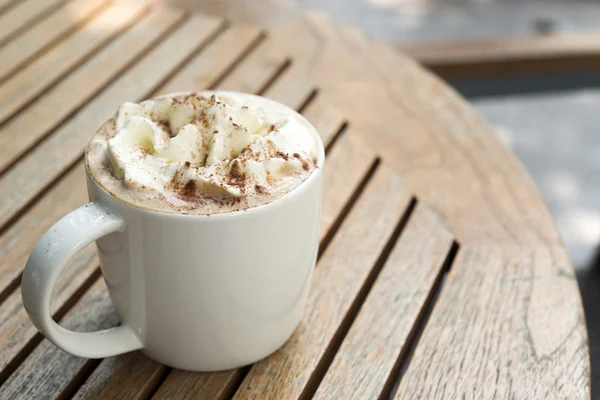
315 174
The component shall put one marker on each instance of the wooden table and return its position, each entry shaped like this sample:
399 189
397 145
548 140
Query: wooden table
441 273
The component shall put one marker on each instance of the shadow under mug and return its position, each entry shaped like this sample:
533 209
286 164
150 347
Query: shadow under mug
195 292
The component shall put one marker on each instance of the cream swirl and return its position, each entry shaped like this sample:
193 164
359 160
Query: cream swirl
210 144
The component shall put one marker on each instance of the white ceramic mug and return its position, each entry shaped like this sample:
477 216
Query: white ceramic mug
202 293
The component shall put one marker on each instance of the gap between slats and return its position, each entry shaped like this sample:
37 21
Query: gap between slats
395 377
8 4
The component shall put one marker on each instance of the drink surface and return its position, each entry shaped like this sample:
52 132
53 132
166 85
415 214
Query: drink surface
203 153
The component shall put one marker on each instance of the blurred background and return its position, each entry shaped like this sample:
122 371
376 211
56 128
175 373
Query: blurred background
532 68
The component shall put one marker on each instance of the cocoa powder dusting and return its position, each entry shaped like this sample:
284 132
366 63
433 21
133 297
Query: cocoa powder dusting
164 125
237 177
192 192
281 154
260 189
189 190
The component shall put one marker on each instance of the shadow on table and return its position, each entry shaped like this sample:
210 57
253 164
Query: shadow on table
588 277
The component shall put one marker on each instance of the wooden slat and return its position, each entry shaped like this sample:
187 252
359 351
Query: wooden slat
379 335
339 277
49 372
325 117
21 132
19 17
256 70
37 39
21 183
183 385
492 333
203 71
131 376
292 88
50 67
346 165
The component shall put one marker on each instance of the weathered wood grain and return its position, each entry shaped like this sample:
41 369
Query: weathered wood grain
255 71
494 333
339 277
35 41
16 331
204 70
380 333
508 321
18 240
347 164
26 128
327 118
22 183
446 153
49 372
292 88
184 385
18 18
51 66
131 376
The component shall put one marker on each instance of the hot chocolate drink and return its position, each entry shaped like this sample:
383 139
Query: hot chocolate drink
203 153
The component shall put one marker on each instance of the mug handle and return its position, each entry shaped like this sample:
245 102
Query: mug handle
51 253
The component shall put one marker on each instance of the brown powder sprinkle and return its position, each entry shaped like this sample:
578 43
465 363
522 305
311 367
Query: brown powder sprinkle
260 189
188 193
236 176
281 154
190 188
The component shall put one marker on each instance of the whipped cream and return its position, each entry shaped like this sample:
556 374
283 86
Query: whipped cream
210 147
